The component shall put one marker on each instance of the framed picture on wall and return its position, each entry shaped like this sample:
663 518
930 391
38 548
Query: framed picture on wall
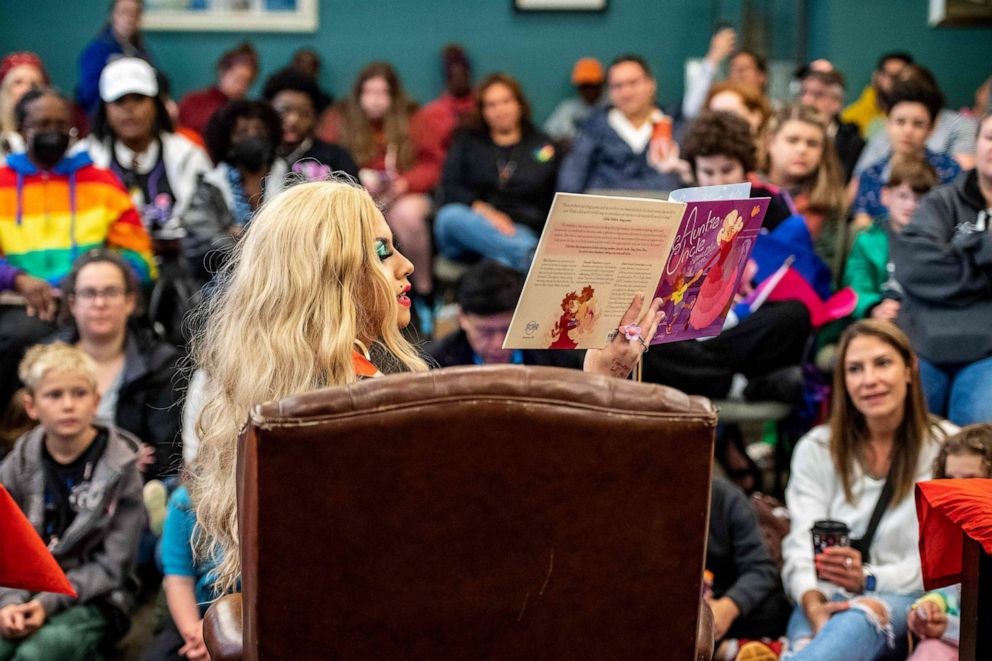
960 13
231 15
560 5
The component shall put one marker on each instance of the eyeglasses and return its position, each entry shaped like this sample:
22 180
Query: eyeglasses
90 294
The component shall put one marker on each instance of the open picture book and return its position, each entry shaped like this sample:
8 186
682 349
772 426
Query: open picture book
597 251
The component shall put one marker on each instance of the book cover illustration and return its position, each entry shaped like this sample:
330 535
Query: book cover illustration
704 269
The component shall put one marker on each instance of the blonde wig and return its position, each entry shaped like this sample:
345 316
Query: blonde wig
302 285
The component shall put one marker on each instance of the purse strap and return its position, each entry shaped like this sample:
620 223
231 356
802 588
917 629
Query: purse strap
864 544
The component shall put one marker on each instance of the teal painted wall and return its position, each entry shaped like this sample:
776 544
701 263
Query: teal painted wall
853 33
537 48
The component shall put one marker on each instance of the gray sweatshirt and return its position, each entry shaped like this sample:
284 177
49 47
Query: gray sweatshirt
97 552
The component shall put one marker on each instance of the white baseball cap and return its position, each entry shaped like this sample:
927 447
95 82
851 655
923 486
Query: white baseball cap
127 75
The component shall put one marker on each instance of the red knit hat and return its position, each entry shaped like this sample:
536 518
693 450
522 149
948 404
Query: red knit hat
17 59
25 562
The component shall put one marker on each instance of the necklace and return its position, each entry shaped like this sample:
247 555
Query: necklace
505 167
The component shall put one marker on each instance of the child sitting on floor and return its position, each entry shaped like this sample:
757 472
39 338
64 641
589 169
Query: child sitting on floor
869 271
934 618
79 485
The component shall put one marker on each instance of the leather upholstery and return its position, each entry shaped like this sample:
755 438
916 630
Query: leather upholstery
493 512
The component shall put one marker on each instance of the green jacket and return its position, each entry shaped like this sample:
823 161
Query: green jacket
866 269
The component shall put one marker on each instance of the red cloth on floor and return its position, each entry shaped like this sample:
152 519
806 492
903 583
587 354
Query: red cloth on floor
946 509
25 562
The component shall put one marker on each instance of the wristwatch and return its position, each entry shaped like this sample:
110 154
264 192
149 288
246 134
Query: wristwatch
870 580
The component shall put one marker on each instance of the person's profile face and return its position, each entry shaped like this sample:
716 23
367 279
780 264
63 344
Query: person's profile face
298 116
375 98
719 170
396 267
486 334
632 90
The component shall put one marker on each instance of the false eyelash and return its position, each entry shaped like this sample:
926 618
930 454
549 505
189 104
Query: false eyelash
382 249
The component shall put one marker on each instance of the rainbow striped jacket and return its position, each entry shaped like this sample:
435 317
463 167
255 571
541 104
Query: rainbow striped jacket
48 218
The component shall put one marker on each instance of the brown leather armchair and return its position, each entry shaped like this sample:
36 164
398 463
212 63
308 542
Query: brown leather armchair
476 512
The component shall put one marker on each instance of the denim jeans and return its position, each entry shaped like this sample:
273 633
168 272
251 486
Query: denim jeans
959 392
852 635
460 232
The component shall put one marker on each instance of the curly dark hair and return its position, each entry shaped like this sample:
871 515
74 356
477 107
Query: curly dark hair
916 85
217 134
296 81
718 133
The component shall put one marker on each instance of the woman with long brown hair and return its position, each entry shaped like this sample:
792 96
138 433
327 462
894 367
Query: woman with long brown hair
499 180
374 123
880 441
800 158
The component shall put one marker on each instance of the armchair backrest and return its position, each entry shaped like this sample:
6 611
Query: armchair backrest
478 512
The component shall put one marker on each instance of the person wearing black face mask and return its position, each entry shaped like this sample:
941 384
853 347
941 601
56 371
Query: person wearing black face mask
53 208
240 139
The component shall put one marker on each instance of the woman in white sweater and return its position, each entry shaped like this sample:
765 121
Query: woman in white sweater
879 431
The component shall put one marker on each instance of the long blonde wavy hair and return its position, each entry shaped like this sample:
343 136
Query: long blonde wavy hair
302 285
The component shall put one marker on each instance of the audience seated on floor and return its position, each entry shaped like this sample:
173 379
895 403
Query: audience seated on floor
942 260
435 122
868 110
869 270
241 139
745 594
953 132
570 113
237 70
297 99
79 483
19 72
617 148
800 159
499 180
913 107
132 135
935 618
138 376
52 207
487 297
880 440
121 35
824 90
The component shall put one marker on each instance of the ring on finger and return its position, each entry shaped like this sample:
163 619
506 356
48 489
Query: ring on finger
848 563
643 344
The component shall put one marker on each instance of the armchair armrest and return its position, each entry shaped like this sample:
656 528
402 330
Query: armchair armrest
704 633
223 629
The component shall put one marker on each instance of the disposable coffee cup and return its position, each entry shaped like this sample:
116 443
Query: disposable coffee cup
828 533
